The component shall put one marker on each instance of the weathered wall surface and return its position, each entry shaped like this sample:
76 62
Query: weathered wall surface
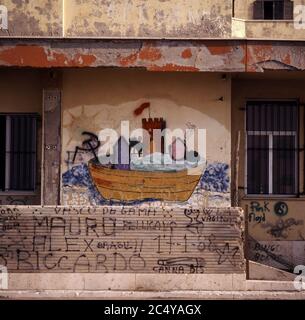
191 56
154 18
119 240
268 55
21 91
98 99
153 55
266 29
120 18
244 26
39 18
181 19
244 8
275 226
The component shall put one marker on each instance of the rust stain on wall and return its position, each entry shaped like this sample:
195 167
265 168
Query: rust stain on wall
263 52
212 56
287 59
129 60
186 54
172 67
275 56
219 49
146 54
36 56
244 55
150 54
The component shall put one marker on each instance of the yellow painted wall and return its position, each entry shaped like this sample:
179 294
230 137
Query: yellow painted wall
142 19
154 18
33 18
120 18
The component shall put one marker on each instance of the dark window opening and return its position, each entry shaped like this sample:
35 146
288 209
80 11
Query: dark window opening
272 147
273 10
18 143
268 10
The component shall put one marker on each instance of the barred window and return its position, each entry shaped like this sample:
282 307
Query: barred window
272 147
18 152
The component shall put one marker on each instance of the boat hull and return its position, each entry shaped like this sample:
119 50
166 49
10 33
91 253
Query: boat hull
129 185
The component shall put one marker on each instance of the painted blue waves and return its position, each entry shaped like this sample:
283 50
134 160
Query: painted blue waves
215 179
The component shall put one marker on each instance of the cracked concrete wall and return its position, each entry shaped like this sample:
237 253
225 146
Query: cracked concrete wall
27 18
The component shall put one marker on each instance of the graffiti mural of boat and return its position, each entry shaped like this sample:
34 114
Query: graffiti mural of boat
132 185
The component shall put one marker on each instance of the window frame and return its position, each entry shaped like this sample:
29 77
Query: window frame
33 192
258 10
297 133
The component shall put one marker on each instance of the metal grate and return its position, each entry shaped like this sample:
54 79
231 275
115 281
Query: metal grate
272 147
18 157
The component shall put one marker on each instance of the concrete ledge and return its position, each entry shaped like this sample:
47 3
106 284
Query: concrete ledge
138 295
145 286
126 282
194 282
255 285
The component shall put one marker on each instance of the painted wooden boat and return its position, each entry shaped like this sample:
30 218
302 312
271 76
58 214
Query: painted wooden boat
131 185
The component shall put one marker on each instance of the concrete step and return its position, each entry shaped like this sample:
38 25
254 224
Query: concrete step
141 295
258 271
263 285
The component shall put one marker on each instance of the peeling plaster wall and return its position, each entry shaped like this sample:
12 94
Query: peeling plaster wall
275 237
266 55
167 56
154 18
98 98
28 18
152 55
